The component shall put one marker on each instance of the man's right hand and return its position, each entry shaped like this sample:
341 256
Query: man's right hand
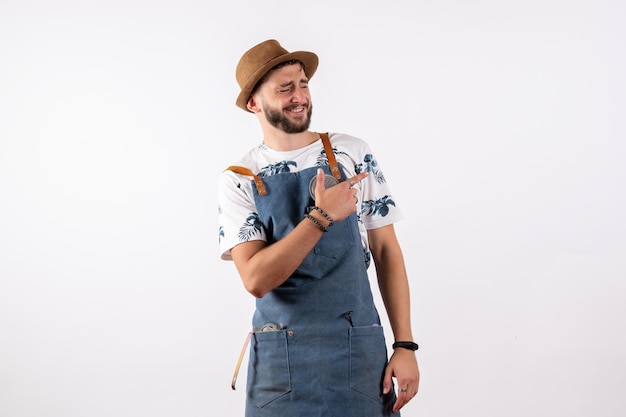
340 200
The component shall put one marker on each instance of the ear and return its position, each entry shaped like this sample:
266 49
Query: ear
253 105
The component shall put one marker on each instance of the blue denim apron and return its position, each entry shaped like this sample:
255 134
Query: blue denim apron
325 353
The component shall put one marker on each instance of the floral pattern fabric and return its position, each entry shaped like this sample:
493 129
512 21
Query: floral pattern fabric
238 220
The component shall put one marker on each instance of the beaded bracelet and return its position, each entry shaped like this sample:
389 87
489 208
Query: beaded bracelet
317 223
323 213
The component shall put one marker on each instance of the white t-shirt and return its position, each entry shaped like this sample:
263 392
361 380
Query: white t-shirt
375 206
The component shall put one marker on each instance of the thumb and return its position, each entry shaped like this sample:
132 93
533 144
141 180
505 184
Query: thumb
319 182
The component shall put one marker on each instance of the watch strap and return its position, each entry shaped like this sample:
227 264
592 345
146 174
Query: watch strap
406 345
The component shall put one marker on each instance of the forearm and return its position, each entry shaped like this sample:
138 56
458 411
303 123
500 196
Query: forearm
269 267
392 280
395 292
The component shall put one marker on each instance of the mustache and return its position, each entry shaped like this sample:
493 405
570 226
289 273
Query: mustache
306 105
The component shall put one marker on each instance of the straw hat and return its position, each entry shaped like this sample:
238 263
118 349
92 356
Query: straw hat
259 59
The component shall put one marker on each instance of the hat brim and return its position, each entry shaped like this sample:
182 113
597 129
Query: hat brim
309 59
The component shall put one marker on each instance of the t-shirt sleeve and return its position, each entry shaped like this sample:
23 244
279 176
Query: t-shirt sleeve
237 217
378 207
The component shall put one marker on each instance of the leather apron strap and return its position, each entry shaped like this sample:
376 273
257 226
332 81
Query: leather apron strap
334 168
260 186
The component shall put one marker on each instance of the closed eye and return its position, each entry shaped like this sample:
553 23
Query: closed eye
288 87
285 88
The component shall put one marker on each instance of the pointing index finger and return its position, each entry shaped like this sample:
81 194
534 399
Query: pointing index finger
357 178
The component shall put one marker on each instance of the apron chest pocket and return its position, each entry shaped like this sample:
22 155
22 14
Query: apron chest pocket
339 239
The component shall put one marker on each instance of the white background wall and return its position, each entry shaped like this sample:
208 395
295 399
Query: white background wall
499 124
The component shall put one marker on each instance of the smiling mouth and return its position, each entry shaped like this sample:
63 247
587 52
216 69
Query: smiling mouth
297 109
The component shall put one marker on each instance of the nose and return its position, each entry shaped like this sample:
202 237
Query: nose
299 95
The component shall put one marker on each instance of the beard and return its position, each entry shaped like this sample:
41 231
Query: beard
277 119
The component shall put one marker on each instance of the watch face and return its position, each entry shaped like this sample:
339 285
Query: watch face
329 181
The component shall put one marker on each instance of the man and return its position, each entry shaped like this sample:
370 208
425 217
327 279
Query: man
301 215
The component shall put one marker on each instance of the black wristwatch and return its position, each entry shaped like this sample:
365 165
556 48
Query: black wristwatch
406 345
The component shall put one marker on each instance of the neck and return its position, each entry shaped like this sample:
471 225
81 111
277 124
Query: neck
281 141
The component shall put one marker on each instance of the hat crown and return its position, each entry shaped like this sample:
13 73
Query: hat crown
256 57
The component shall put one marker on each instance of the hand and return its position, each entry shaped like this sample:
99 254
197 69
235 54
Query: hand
403 366
340 200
